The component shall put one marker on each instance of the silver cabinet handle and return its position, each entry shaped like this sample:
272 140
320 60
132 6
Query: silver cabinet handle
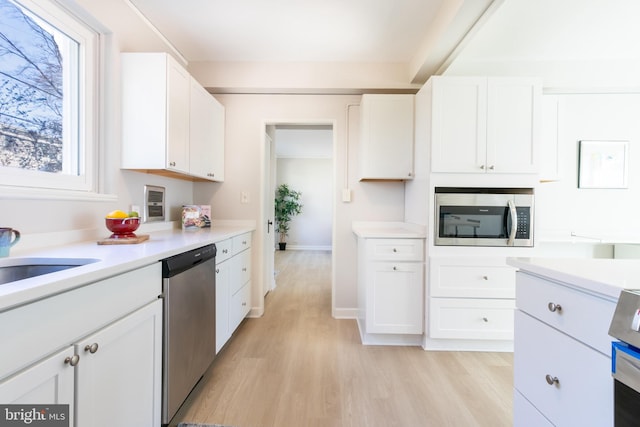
73 360
551 380
485 277
91 348
554 307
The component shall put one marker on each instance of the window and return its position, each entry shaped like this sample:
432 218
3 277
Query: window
48 86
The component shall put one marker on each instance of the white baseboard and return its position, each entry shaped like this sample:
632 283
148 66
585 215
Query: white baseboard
308 248
344 313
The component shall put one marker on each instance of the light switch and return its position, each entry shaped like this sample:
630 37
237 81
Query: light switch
244 197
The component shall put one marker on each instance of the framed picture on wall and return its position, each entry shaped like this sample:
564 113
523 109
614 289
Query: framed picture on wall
603 164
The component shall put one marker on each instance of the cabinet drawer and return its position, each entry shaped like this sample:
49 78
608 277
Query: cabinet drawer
525 414
241 270
583 316
583 395
452 277
395 249
471 318
239 306
224 250
241 242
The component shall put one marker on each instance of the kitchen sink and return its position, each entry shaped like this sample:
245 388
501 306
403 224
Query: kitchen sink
13 269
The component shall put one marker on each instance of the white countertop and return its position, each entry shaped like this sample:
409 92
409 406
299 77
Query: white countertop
113 260
388 230
602 276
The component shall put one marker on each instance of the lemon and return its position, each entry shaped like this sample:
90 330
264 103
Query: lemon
117 214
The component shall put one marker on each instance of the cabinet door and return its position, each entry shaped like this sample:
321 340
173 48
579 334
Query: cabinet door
223 296
394 298
459 118
386 137
119 374
49 381
178 83
512 125
206 134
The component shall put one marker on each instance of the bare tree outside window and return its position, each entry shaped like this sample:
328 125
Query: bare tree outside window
31 92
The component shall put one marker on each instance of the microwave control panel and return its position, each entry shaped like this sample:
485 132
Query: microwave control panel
523 228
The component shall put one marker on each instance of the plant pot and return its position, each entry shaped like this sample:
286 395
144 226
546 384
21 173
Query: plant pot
282 245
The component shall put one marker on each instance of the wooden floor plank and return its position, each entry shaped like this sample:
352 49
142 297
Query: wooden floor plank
298 366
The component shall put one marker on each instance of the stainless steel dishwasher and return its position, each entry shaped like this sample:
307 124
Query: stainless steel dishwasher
189 324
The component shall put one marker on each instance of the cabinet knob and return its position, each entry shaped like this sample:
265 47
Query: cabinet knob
485 320
491 167
244 242
395 250
485 277
172 163
551 380
92 348
395 268
72 360
244 269
482 167
217 270
554 307
410 174
244 304
211 174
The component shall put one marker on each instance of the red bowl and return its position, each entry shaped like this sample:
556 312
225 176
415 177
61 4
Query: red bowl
122 227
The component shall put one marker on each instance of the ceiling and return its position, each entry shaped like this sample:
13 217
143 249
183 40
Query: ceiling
420 33
429 36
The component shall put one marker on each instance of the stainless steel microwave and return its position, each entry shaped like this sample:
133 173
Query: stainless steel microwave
484 216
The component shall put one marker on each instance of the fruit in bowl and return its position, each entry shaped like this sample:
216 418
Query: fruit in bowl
122 224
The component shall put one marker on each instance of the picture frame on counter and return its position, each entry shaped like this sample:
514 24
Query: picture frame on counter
603 164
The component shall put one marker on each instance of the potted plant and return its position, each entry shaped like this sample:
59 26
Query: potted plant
287 205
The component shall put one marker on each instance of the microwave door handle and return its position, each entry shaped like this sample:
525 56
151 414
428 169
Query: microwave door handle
514 222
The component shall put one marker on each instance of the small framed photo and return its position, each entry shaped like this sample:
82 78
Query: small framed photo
603 164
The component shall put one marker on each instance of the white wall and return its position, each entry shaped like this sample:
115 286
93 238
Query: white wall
313 178
562 207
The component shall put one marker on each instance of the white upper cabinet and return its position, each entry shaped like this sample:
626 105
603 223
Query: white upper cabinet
484 125
386 145
206 134
169 122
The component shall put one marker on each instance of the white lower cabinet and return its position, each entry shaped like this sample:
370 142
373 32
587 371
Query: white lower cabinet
471 301
561 366
390 289
118 377
233 285
97 348
50 381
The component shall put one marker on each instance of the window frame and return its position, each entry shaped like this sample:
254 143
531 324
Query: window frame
21 183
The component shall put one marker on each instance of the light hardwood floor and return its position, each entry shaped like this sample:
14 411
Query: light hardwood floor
298 366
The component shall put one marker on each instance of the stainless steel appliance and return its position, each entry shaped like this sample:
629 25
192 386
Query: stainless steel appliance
189 324
484 216
625 359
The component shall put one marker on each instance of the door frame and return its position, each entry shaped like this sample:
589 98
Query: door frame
267 168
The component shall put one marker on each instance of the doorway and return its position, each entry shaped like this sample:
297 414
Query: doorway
301 156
